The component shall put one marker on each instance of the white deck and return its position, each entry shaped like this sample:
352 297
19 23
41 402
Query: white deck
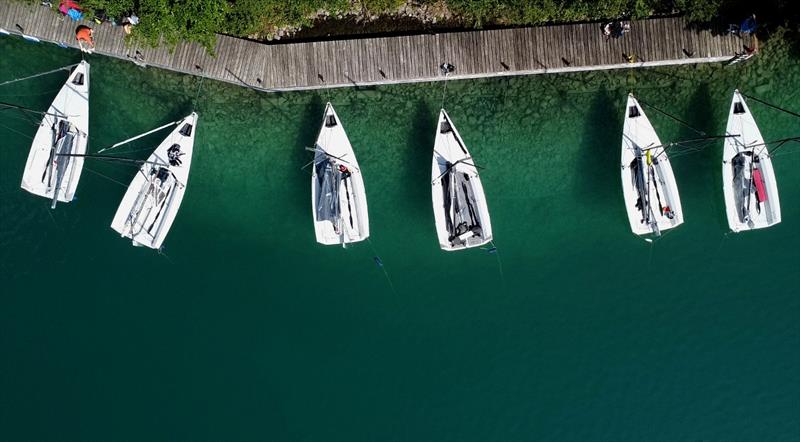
70 106
353 224
742 207
449 151
151 203
641 144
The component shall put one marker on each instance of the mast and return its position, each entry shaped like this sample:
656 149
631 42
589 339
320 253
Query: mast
746 209
56 165
643 185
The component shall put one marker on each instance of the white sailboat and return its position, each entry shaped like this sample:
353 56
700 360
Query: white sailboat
153 198
748 179
648 184
51 171
459 204
338 199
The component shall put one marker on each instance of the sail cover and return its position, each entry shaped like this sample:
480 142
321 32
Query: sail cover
742 183
329 180
459 205
63 149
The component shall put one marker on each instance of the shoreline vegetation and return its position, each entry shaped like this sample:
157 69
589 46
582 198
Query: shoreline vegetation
171 21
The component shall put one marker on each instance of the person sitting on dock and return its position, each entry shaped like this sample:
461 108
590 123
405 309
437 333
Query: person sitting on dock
607 30
615 29
748 27
751 50
128 22
447 68
85 34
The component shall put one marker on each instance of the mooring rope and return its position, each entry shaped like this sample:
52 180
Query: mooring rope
16 131
199 86
379 263
38 94
771 105
27 118
444 91
493 250
104 176
38 75
700 132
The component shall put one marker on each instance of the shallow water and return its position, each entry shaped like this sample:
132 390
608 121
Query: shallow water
246 329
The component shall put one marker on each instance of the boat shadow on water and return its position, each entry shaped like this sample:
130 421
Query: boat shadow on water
418 151
308 121
598 182
698 173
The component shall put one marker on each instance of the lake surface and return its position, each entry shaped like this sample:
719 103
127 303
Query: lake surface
246 329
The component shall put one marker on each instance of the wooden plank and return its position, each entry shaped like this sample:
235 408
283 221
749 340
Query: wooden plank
580 42
659 42
269 72
674 49
545 50
581 38
565 49
590 43
572 46
645 39
534 49
675 36
531 49
217 69
236 62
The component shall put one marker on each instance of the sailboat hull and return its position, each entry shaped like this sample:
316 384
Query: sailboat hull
460 210
748 178
338 197
63 130
649 189
151 202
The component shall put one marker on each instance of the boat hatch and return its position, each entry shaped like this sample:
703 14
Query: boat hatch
186 130
633 112
445 128
330 121
78 80
738 108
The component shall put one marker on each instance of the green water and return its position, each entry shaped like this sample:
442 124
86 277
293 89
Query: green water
246 329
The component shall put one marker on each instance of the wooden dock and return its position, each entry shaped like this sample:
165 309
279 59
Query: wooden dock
405 59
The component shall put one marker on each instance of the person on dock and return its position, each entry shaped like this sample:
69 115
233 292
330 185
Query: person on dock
128 22
751 50
615 29
85 35
748 27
